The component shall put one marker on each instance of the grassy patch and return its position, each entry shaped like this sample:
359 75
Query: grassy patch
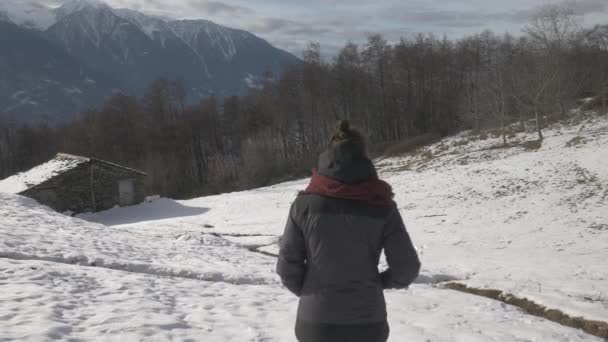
402 168
596 328
583 176
478 135
441 148
460 143
496 133
576 141
463 161
533 145
497 147
427 155
599 227
410 145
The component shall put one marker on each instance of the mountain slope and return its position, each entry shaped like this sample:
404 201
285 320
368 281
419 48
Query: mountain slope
133 49
36 74
230 55
106 42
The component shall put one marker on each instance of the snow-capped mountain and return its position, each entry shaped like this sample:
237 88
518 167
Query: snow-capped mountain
131 49
27 13
35 15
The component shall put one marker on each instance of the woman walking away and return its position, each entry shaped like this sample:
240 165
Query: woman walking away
333 239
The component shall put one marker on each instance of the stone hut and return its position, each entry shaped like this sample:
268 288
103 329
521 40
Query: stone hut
69 183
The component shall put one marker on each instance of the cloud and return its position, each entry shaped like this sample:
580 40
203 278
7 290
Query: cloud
442 18
216 7
470 20
584 7
291 25
52 3
580 8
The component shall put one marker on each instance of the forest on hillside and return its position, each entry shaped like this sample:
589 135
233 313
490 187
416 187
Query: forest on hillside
399 94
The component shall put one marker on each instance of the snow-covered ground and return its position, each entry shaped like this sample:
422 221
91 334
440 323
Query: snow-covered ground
530 222
33 232
49 301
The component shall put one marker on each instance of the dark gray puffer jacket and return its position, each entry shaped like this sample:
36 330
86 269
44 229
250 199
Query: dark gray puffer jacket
330 252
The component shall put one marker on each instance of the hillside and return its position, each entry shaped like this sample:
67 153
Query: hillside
530 221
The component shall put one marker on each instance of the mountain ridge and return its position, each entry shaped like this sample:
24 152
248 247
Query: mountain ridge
133 49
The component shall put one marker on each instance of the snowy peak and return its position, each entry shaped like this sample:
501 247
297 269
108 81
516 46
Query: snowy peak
152 26
87 23
34 15
200 35
27 13
78 5
73 6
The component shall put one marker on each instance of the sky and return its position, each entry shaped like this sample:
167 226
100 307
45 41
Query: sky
293 24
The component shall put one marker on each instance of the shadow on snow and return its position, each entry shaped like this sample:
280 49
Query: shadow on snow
159 209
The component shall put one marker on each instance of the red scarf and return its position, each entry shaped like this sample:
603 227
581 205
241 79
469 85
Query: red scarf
374 191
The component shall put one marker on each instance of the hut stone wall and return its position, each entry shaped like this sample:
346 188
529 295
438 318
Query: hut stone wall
106 180
92 186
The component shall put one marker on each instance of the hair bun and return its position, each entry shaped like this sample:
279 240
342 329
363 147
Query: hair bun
345 134
343 126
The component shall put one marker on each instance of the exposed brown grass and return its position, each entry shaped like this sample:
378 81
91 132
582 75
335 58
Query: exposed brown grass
427 155
576 141
402 168
459 143
409 145
500 146
596 328
533 145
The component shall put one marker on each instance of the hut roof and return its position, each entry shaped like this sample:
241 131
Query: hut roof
60 164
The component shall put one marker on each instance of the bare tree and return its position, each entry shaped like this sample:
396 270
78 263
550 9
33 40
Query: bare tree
597 40
498 87
419 89
553 28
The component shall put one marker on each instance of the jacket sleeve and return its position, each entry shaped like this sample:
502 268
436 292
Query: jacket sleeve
402 259
291 266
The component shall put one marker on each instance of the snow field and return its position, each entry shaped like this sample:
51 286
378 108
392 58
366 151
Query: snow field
49 301
33 232
532 223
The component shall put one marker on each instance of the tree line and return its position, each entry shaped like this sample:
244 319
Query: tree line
416 90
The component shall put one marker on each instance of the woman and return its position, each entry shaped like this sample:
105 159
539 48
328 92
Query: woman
332 243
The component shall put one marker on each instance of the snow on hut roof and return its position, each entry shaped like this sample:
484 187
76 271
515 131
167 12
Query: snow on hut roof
41 173
61 163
